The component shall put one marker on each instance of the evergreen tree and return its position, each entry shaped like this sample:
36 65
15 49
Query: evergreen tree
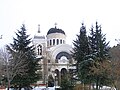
66 83
89 52
81 49
98 44
99 53
22 45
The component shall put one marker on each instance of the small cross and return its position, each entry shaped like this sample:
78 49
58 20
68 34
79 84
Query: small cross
55 25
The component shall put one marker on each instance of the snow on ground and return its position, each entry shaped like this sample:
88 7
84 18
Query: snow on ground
44 88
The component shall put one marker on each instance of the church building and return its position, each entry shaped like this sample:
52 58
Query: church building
54 53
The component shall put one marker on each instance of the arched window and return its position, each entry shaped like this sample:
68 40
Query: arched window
39 49
50 42
57 41
53 41
60 41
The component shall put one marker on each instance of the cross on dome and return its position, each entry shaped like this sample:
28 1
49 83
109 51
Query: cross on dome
55 25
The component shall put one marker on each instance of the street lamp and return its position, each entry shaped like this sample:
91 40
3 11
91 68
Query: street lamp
55 80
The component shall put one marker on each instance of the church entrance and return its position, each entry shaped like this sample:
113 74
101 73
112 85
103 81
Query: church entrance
59 75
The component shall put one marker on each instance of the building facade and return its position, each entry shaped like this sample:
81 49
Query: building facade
55 53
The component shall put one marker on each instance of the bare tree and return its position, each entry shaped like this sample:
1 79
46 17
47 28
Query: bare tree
115 54
1 70
4 59
1 65
111 67
102 68
14 62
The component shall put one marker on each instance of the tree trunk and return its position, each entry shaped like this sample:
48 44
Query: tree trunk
8 77
90 86
118 85
8 84
97 81
83 86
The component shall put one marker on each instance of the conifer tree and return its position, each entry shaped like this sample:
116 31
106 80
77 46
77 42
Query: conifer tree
91 51
81 49
99 53
100 46
21 46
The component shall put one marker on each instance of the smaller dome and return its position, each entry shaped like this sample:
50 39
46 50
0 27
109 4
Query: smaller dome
55 30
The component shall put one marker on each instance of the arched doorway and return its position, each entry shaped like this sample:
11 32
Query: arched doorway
56 77
63 72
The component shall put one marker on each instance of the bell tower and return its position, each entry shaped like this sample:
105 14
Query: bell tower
39 42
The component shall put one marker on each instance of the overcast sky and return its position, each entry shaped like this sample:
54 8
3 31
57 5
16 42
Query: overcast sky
68 14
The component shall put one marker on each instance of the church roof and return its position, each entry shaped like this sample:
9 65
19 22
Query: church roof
39 37
55 30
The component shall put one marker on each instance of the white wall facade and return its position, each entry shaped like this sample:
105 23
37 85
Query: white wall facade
56 53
